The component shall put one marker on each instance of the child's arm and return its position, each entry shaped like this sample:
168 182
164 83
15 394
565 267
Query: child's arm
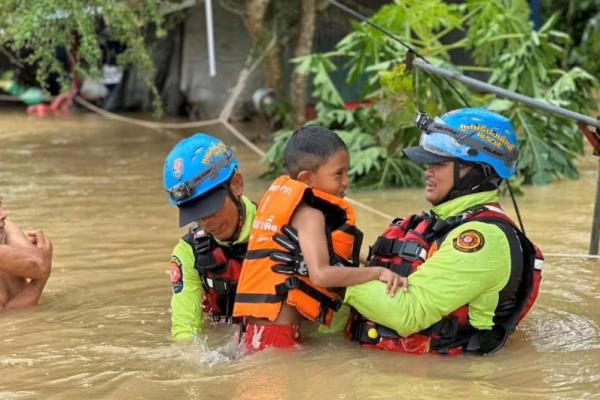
310 225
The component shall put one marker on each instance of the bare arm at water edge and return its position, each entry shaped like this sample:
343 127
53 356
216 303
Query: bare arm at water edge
15 236
310 224
26 269
31 261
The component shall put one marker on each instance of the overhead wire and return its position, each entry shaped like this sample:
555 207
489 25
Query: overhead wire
225 114
411 52
394 37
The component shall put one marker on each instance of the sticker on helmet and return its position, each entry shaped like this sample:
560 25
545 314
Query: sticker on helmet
178 168
469 241
176 274
214 152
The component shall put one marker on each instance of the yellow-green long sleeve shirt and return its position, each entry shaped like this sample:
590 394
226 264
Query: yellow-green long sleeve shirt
447 280
187 318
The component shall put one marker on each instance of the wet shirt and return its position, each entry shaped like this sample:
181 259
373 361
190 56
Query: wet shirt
471 267
187 318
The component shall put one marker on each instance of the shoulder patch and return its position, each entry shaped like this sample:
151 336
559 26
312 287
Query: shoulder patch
469 241
176 275
176 260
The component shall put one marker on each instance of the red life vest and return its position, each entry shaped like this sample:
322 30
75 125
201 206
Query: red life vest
219 268
407 243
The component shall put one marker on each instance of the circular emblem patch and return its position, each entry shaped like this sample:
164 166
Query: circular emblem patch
176 274
469 241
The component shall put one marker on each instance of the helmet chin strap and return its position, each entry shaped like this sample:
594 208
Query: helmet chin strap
239 205
480 178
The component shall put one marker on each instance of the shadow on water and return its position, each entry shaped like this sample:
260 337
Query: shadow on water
102 330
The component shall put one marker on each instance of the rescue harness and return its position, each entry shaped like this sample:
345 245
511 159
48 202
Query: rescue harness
407 243
219 268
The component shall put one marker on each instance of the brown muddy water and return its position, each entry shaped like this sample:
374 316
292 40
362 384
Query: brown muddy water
102 328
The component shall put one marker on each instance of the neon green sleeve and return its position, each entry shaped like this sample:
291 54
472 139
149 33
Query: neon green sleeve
186 302
449 279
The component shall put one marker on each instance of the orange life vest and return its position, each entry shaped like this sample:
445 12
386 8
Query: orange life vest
264 284
407 243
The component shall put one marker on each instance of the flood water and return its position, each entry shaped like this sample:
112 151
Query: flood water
102 328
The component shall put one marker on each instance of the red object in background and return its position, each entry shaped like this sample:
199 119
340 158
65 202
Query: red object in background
353 105
310 113
63 102
60 105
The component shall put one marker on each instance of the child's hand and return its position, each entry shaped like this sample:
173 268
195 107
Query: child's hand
393 280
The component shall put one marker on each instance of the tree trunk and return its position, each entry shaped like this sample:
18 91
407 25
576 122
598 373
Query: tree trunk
272 72
255 13
304 44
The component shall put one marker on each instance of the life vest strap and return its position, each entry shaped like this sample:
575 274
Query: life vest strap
258 254
408 250
454 333
222 287
298 284
258 298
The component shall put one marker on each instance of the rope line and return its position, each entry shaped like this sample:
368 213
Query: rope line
567 255
223 120
143 122
235 132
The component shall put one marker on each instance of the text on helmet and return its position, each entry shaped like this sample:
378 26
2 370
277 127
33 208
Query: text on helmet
488 135
214 151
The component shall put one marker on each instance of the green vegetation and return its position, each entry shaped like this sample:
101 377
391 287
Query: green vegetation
499 38
581 20
34 30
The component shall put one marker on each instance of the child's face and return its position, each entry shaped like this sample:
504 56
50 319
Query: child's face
332 176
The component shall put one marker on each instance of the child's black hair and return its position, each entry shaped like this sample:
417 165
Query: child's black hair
309 147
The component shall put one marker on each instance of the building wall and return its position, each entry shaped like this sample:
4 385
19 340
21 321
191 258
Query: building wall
207 95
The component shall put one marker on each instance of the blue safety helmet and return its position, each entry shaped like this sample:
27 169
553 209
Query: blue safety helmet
195 176
470 134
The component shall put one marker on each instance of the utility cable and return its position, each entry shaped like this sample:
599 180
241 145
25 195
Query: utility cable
514 201
411 53
228 108
366 20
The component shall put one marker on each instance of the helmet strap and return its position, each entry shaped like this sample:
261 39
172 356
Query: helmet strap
239 204
480 178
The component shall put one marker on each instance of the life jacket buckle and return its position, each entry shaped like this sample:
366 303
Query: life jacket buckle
409 250
382 247
221 287
337 304
292 283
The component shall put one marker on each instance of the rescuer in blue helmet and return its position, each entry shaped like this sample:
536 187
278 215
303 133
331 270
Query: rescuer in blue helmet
200 177
472 274
470 137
